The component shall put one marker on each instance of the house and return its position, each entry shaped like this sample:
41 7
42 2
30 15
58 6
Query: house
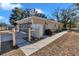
38 24
3 28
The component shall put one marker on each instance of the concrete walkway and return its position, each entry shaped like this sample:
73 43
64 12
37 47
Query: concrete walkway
28 48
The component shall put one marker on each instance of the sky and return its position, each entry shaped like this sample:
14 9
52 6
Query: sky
46 8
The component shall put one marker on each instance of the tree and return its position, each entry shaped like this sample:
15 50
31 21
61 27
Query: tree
76 13
33 12
41 15
61 16
3 24
56 14
65 16
76 5
18 14
69 17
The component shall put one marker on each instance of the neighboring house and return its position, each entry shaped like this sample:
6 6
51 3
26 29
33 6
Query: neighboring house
2 28
39 24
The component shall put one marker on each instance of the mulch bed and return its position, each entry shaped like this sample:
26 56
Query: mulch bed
67 45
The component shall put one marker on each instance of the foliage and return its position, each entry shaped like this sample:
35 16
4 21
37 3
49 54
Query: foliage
2 24
65 16
18 14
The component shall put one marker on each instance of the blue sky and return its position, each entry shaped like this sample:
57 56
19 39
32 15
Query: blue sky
46 8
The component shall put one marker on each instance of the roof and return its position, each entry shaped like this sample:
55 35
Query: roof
29 19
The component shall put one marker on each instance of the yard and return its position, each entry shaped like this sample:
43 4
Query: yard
67 45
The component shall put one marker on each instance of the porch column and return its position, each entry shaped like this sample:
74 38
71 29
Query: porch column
18 28
14 39
32 21
29 34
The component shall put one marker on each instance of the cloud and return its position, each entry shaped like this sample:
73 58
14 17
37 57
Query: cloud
39 10
1 17
8 6
4 20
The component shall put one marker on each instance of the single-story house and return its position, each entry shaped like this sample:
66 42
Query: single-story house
3 28
39 24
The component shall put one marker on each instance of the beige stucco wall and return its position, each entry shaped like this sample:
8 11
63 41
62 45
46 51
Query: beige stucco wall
38 21
42 21
2 28
39 30
49 24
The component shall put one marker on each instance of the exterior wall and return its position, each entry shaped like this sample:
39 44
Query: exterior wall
2 28
58 26
51 27
54 26
61 27
38 33
49 22
38 21
24 27
42 21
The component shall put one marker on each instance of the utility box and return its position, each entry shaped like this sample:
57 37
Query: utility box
38 33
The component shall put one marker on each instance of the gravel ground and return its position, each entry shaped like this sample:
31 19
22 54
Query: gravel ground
67 45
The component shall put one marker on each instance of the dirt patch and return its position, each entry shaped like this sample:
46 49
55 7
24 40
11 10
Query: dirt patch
67 45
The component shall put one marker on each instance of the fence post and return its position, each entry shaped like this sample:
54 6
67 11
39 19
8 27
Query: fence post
14 39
